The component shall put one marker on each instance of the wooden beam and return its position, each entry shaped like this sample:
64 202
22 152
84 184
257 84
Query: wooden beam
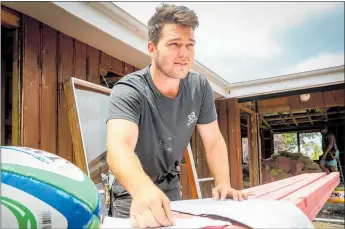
325 112
246 109
293 118
191 180
297 116
266 123
311 121
253 151
79 154
16 92
293 103
234 141
283 119
9 19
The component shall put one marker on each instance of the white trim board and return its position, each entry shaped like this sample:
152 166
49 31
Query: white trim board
291 82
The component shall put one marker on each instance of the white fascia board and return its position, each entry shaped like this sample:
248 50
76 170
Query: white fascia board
291 82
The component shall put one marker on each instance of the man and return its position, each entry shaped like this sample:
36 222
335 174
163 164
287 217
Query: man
152 115
330 151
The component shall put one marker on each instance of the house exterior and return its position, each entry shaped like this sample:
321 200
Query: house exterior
54 41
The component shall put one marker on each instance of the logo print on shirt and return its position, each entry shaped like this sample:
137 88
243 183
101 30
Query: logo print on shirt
191 119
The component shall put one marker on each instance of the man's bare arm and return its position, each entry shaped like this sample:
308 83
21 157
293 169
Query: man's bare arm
122 137
216 152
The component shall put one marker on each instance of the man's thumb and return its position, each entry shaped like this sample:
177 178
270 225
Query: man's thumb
215 194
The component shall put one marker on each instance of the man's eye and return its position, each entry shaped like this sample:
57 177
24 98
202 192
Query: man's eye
174 44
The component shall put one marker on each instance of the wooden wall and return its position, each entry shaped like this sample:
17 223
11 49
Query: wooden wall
49 59
294 103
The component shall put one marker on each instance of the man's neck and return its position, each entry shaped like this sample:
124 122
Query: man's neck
166 85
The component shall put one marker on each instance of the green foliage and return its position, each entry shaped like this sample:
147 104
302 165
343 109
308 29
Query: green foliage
290 141
307 142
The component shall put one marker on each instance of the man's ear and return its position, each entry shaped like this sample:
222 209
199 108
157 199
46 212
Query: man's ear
152 49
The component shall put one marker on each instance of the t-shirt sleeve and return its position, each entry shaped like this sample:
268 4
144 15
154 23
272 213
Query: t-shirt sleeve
208 112
124 103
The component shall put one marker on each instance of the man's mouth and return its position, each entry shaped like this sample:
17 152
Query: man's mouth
181 64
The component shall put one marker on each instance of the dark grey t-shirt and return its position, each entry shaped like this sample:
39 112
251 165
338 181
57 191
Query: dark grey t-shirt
165 125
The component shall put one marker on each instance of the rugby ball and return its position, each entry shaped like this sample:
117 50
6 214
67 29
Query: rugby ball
43 190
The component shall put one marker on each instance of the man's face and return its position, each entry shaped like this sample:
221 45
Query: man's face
174 52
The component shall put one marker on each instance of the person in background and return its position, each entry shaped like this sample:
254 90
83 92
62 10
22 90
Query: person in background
330 150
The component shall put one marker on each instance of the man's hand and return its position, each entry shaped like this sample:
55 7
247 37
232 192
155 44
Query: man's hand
150 208
222 191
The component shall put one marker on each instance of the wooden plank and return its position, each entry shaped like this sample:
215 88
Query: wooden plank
234 139
184 182
79 154
79 60
65 72
271 187
16 91
317 99
246 109
128 68
117 66
253 153
340 97
49 88
9 19
310 199
92 66
287 190
31 83
273 105
105 63
191 181
223 119
328 98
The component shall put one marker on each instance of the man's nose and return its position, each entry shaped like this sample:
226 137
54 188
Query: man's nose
183 51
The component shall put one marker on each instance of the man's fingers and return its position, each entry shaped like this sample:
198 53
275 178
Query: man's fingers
168 213
224 193
134 222
215 193
141 220
240 195
160 216
150 220
234 195
245 195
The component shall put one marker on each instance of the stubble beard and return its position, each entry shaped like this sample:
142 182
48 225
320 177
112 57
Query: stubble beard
158 66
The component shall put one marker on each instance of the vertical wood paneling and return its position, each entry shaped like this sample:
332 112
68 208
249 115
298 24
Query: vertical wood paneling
105 63
31 83
79 60
49 84
234 139
339 96
329 98
223 118
117 66
92 65
16 89
65 72
128 69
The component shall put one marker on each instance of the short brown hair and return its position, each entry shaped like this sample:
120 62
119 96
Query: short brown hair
167 13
